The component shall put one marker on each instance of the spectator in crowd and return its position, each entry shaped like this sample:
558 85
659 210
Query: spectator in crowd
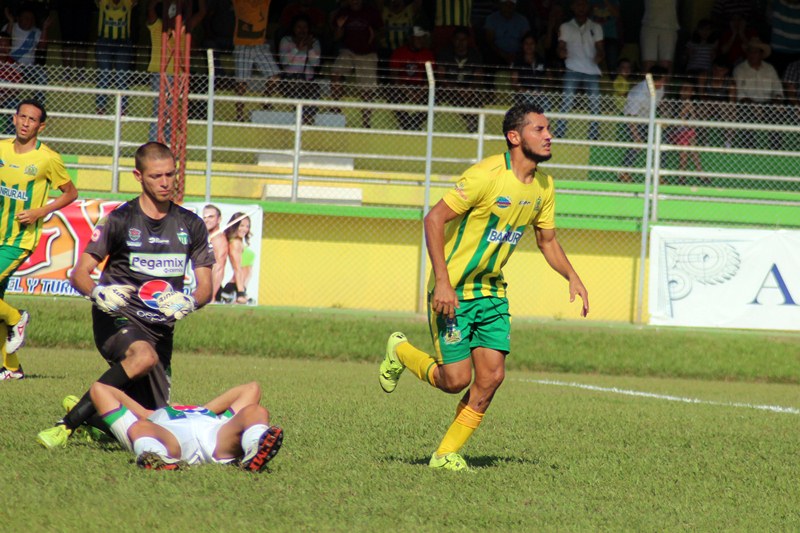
785 36
791 82
757 82
75 26
622 83
528 75
723 11
398 21
407 65
503 31
357 28
460 75
719 91
580 45
26 39
659 33
155 27
251 48
607 14
686 133
219 25
734 39
638 105
317 19
701 50
546 17
113 49
450 15
9 73
300 57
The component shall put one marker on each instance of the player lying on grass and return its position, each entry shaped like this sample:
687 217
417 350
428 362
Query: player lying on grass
230 429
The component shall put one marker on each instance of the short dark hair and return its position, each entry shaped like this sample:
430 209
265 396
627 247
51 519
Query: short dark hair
35 103
515 117
152 150
215 208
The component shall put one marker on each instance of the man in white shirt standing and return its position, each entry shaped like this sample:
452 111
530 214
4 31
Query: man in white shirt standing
757 82
580 45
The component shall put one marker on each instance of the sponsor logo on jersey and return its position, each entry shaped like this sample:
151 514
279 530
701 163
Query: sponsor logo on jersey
538 204
2 163
96 234
183 237
524 202
134 234
157 240
151 290
511 237
14 194
179 410
31 170
460 188
12 165
503 202
158 265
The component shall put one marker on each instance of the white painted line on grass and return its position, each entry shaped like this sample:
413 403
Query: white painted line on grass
615 390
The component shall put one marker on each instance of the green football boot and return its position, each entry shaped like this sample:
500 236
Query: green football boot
391 367
450 461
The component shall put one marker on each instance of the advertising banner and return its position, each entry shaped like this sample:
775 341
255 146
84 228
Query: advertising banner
728 278
66 233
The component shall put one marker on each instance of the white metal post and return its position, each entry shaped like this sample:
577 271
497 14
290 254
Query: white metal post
210 121
648 176
423 255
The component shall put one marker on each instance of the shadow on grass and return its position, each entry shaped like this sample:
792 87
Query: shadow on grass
479 461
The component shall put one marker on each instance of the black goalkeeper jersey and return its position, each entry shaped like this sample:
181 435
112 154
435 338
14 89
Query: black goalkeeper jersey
151 255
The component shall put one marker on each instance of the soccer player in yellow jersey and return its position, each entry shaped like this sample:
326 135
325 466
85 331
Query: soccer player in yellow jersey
470 234
28 169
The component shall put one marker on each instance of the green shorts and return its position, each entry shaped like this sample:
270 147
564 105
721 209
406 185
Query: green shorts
479 323
11 258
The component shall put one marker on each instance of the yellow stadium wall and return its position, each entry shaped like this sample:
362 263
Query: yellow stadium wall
359 263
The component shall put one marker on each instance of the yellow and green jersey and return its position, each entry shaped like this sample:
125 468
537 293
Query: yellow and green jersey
453 13
25 181
114 22
494 209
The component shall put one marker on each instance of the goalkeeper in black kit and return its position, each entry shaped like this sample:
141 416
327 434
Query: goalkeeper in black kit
148 243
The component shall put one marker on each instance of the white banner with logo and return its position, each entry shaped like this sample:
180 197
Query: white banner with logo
235 219
727 278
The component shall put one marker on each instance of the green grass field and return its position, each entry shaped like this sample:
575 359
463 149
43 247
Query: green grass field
597 427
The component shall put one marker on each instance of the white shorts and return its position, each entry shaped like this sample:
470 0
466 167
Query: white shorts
658 44
195 428
259 55
364 68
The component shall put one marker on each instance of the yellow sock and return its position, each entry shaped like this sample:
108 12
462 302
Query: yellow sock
418 362
10 361
8 314
460 431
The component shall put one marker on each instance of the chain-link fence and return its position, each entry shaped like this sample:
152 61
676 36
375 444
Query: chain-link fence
345 169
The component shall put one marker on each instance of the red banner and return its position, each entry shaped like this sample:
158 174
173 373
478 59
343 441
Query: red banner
65 234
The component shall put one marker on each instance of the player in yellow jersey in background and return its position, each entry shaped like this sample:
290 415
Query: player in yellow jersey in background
470 234
28 169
